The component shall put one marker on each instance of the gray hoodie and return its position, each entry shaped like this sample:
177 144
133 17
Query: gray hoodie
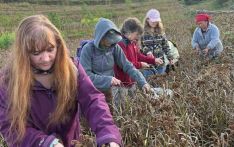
99 62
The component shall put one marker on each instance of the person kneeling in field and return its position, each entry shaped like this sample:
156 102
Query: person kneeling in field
131 31
206 38
154 43
41 91
99 56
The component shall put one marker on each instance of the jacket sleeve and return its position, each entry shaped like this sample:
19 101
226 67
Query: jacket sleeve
32 137
96 111
165 46
214 37
128 67
144 48
143 58
99 81
137 65
195 39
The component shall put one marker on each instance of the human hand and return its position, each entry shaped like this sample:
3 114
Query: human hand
171 61
115 82
113 144
197 50
145 65
205 51
146 88
150 54
158 61
58 145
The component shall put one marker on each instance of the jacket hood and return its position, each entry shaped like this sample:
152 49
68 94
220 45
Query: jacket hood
101 28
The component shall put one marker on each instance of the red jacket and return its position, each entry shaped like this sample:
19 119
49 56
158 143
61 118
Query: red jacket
133 54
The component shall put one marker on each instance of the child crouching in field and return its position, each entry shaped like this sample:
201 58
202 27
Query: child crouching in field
41 91
131 31
154 42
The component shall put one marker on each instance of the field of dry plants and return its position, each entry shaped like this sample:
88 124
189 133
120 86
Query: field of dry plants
201 112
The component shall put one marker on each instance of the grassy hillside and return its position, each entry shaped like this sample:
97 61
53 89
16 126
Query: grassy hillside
76 22
201 111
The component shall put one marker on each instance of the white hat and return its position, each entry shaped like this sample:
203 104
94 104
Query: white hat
153 15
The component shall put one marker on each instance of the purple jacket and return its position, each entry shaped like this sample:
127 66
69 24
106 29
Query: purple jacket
91 102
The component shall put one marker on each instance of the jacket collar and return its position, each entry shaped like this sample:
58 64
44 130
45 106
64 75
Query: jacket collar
208 27
126 40
38 86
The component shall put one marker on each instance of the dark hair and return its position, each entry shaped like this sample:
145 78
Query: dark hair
131 25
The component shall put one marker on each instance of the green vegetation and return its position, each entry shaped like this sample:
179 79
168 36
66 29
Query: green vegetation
6 40
210 4
55 19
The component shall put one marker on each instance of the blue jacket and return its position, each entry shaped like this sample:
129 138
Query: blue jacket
43 102
209 39
99 63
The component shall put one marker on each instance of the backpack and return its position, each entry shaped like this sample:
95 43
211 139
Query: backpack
79 49
173 50
175 54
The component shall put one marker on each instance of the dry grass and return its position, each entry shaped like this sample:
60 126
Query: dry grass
201 112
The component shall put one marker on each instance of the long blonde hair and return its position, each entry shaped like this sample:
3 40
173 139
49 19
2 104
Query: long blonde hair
32 30
159 29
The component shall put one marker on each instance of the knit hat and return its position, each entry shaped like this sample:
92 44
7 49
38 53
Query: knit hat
202 17
153 15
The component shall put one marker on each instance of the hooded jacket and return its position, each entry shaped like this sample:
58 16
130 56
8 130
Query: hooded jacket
99 62
43 102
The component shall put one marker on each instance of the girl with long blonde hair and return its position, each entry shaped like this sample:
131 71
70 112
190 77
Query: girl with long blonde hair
40 90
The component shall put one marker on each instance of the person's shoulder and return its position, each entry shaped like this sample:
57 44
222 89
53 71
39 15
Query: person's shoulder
196 30
89 44
213 25
123 43
117 46
88 47
117 49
